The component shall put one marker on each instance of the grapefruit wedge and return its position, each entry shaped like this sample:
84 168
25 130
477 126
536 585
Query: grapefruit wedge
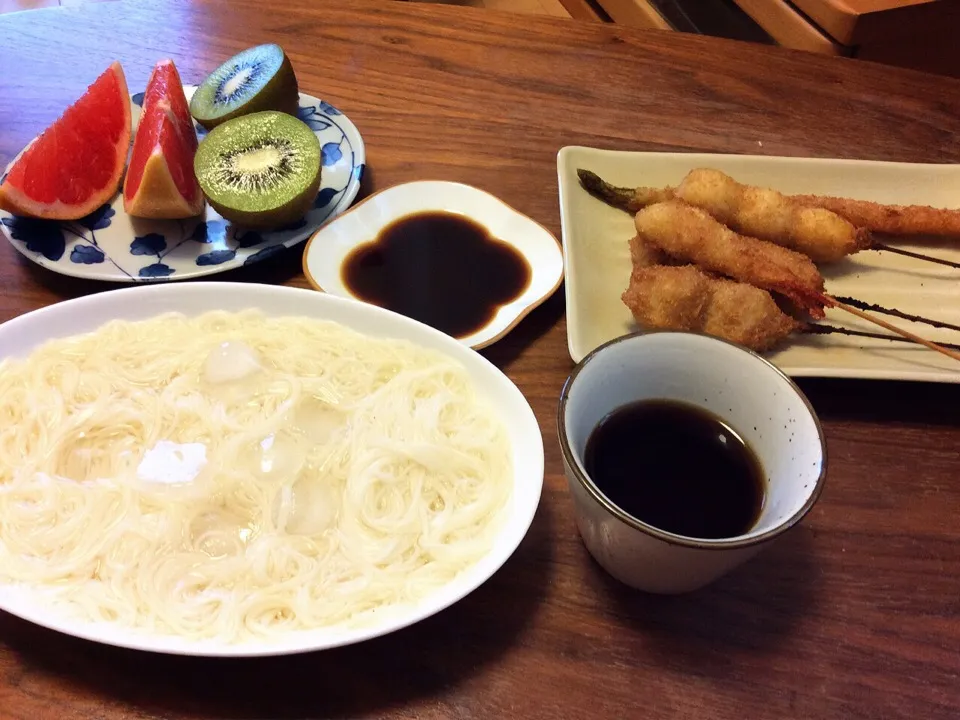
160 181
76 164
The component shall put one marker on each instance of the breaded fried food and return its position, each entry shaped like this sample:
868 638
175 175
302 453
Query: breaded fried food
667 298
759 212
689 234
685 298
644 253
891 219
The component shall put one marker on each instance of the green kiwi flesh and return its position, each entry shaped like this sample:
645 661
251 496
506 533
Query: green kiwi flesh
260 78
260 170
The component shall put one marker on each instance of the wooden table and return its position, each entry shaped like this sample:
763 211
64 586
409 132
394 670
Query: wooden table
854 614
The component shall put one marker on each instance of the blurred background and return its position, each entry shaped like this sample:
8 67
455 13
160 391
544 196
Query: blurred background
916 34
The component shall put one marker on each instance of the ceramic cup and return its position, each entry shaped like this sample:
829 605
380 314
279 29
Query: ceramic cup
758 401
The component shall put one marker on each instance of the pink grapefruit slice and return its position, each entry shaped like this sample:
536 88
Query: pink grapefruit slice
76 164
160 181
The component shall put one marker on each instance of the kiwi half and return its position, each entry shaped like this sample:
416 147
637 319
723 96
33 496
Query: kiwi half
259 78
260 170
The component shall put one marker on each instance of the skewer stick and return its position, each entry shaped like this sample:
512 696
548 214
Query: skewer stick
824 329
910 253
833 302
860 304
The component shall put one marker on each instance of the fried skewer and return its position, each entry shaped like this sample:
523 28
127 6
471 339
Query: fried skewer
891 219
699 236
685 298
759 212
823 228
689 234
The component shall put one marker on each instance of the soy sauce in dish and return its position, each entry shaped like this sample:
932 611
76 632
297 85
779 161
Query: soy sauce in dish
676 467
440 268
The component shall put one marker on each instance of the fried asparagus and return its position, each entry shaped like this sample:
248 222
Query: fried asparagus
689 234
822 235
891 219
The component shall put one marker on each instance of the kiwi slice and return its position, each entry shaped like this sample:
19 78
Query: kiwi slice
259 78
260 170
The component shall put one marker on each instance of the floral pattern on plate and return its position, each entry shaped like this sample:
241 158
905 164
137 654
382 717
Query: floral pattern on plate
110 245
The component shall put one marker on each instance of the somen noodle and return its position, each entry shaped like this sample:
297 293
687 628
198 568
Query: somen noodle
233 476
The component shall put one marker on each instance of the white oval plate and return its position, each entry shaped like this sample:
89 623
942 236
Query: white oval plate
21 335
110 245
329 247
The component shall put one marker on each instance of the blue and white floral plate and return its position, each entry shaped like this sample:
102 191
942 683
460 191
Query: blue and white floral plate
111 245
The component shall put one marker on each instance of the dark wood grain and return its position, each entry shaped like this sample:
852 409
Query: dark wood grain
855 614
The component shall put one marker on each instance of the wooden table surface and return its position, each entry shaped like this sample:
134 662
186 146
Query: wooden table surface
854 614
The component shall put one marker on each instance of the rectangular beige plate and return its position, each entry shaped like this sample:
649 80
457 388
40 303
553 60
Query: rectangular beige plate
598 259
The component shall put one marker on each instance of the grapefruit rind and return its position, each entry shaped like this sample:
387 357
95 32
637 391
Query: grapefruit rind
165 127
158 196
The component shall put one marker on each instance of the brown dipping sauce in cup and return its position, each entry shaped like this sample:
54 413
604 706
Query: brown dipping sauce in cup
677 467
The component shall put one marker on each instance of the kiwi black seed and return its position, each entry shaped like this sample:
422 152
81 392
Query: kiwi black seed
260 170
260 78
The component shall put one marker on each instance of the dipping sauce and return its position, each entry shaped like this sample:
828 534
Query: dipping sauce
442 269
677 467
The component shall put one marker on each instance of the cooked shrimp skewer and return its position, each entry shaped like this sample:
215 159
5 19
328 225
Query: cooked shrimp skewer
891 219
689 234
759 212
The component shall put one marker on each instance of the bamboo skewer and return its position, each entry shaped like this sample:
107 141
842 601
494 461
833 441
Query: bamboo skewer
861 305
824 329
833 302
915 255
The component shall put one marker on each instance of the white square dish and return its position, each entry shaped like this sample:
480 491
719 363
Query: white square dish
597 256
